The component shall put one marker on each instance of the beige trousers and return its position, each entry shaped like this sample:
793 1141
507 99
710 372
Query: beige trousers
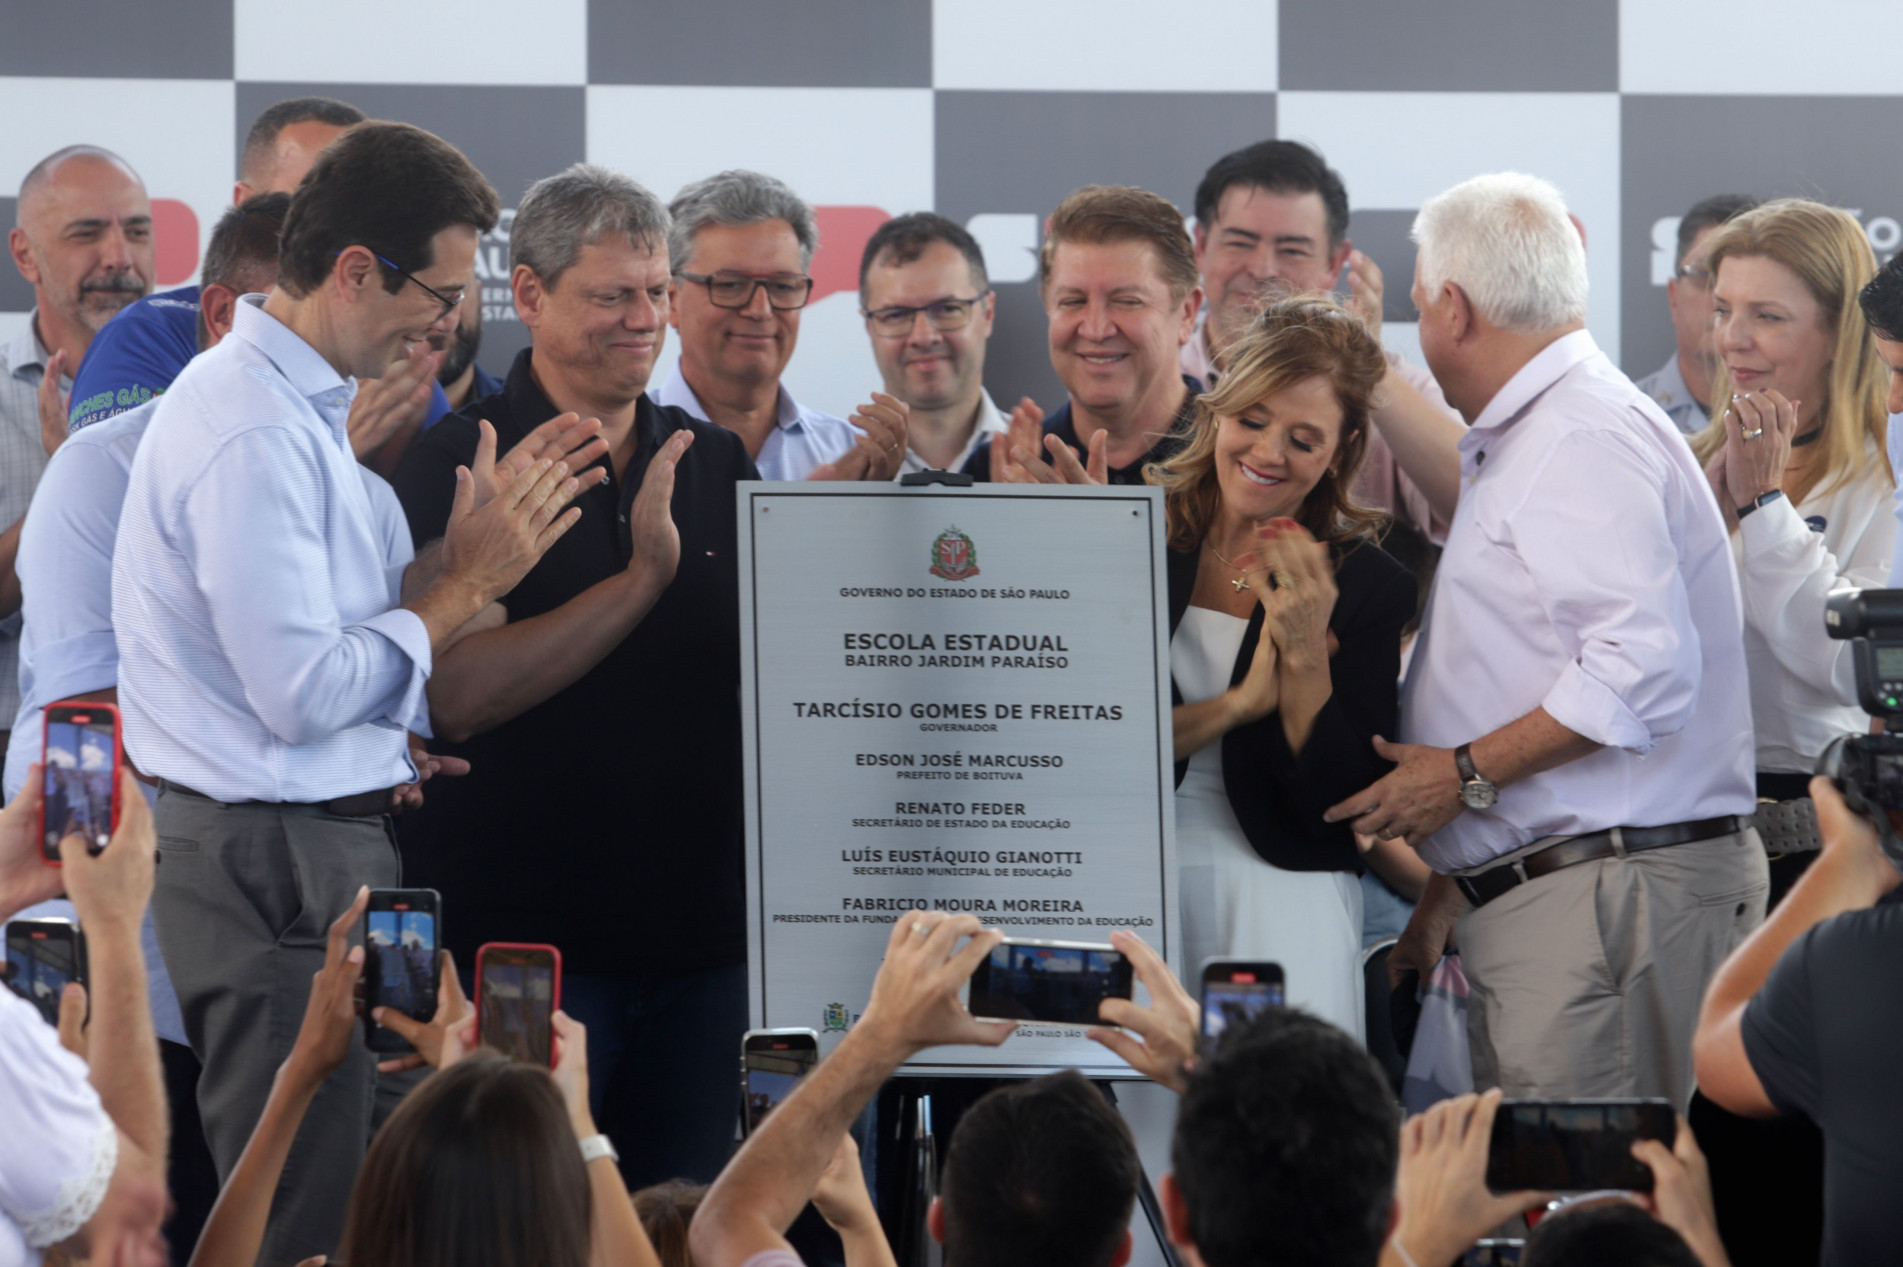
1587 982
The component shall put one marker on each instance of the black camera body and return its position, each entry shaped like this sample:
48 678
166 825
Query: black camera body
1869 768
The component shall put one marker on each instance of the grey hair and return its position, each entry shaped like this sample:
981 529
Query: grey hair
732 199
1506 241
578 207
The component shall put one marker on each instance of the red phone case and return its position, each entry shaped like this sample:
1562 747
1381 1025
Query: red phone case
118 760
555 996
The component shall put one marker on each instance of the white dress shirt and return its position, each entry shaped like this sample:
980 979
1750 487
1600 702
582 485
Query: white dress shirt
1790 558
990 423
1587 572
262 653
804 439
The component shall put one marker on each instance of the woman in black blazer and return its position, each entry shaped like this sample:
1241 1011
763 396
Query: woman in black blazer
1285 622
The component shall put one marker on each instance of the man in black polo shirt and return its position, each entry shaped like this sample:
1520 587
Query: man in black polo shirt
602 697
1118 275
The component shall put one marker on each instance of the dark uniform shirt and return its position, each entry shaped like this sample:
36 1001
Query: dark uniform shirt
607 819
1061 425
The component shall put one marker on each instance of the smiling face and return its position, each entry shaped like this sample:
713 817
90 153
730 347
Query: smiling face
749 345
1770 331
1270 457
929 368
599 328
85 240
385 324
1263 243
1115 329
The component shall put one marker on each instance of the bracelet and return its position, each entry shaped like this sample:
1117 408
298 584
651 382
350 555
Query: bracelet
595 1147
1763 499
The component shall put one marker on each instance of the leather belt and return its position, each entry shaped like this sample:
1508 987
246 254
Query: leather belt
357 805
1483 887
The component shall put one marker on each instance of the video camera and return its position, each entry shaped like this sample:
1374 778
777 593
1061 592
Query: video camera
1869 768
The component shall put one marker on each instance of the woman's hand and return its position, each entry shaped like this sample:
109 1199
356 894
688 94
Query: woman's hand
1259 692
1296 611
1755 466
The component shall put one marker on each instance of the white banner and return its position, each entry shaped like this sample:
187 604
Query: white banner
955 699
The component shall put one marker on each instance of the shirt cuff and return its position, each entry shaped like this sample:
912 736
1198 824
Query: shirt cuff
1774 524
1588 707
77 665
406 629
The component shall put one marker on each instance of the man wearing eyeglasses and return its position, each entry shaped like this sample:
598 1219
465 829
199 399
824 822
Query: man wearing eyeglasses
928 306
1682 386
739 249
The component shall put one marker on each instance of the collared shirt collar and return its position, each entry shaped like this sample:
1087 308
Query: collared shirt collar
1670 390
1547 367
1195 359
26 352
676 392
308 373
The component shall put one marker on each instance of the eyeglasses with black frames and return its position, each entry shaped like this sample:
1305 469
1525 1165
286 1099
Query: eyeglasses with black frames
943 314
784 291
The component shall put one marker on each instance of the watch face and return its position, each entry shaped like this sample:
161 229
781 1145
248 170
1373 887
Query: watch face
1479 794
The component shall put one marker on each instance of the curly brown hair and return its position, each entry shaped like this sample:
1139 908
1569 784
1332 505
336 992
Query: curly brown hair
1289 342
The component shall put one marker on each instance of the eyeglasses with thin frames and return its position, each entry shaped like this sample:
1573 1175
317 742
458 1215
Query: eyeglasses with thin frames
449 302
943 314
784 291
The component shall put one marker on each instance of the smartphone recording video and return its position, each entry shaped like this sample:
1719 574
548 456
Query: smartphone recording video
43 955
1575 1145
1234 991
772 1061
81 776
1060 982
399 964
518 989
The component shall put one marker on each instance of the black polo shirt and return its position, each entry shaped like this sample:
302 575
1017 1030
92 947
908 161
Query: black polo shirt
1060 425
606 820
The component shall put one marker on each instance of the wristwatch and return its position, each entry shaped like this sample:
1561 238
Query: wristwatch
596 1147
1476 789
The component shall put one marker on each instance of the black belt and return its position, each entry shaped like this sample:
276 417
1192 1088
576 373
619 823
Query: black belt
1494 881
357 805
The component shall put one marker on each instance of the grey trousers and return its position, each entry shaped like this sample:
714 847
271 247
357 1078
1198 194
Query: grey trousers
244 900
1587 982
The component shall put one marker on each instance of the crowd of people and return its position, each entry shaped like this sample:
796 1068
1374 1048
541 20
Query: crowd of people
1504 655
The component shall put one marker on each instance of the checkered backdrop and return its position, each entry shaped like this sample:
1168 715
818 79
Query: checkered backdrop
991 110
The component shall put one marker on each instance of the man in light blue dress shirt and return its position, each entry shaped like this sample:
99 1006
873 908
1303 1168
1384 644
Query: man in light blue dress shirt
275 635
739 250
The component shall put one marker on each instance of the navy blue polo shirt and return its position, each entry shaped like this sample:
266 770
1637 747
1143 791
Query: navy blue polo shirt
1060 425
135 356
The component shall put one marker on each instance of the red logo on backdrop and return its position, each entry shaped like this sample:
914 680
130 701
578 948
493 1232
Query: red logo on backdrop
842 240
174 241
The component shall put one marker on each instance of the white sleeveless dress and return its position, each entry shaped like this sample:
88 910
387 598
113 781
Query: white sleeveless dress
1234 903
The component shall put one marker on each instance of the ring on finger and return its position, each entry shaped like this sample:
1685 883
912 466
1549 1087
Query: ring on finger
1754 433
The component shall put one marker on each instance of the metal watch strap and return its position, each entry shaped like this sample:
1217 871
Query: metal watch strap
1464 763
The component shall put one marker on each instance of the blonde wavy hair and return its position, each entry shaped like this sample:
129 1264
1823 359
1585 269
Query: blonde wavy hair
1828 251
1288 342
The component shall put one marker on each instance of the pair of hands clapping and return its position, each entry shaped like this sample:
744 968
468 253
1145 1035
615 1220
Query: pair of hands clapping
1295 613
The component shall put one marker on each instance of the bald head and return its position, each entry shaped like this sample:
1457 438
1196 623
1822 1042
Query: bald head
83 237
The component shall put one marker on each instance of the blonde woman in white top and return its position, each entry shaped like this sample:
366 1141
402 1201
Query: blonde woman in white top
1795 452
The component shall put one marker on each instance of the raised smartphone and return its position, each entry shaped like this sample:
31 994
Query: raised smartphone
772 1061
1059 982
402 930
518 989
43 955
81 777
1575 1145
1234 990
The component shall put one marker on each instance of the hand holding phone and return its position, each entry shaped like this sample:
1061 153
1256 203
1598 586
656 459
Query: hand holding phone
1057 982
1235 991
772 1061
44 956
518 988
79 776
1575 1145
402 931
1158 1041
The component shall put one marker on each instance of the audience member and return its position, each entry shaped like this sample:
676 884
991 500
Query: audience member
612 670
914 1005
275 635
139 353
83 241
1803 1018
1613 1231
1117 274
463 381
1272 220
928 307
1572 767
1285 650
1683 385
84 1162
739 247
666 1210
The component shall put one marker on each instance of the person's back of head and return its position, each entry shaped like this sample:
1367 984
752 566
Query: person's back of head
240 259
1619 1233
666 1211
476 1168
268 163
1042 1174
1507 242
1286 1146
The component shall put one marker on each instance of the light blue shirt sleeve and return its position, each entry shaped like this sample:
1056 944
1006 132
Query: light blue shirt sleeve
65 569
259 545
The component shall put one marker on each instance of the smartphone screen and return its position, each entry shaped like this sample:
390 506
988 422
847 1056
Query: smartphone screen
771 1065
1234 991
516 1000
42 957
1575 1145
81 750
1058 982
399 964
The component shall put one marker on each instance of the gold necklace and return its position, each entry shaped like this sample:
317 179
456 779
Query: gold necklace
1241 582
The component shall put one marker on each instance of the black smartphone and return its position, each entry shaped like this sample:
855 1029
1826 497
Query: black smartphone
1490 1252
1575 1145
518 989
402 930
1234 990
772 1061
1060 982
81 775
42 956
